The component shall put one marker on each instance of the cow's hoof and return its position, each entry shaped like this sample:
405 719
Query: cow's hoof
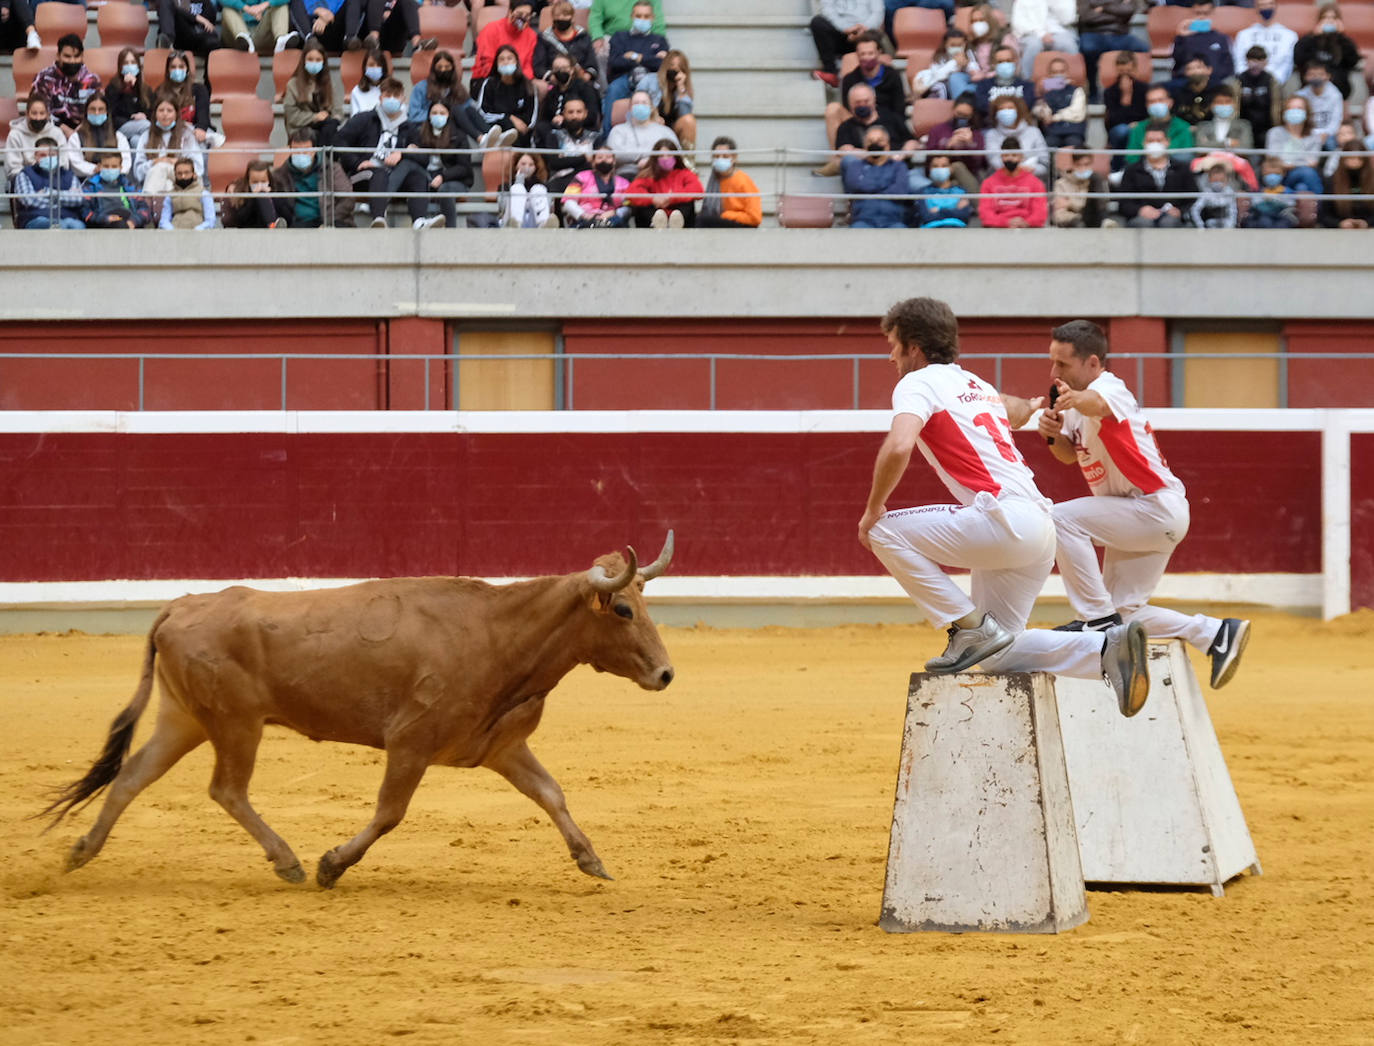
294 874
327 872
78 855
591 864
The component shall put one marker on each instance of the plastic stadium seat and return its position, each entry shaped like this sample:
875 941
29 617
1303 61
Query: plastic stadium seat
915 64
1301 18
1078 70
246 120
1359 26
54 19
1162 25
448 25
420 62
806 212
122 25
233 72
223 167
495 172
916 29
620 109
1231 20
1106 68
927 112
350 70
155 66
101 61
485 16
27 65
284 64
581 16
9 110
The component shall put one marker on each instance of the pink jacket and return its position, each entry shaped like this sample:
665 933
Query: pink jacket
590 198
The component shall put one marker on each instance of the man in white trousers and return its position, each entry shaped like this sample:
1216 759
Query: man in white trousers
1001 529
1137 512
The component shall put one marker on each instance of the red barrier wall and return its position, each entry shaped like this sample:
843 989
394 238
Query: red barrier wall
105 506
1329 383
1362 520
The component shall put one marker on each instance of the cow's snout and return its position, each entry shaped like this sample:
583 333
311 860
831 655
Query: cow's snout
665 677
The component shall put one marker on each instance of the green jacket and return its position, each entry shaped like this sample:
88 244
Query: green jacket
1180 137
614 16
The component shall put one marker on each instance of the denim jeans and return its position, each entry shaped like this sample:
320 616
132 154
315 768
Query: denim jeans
44 222
1303 179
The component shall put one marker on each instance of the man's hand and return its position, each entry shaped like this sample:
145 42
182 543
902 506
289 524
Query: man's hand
205 23
866 522
1018 223
393 158
367 165
1019 410
436 181
1051 422
1148 212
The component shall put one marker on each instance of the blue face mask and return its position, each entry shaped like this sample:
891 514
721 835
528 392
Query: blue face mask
391 105
1157 110
1006 70
47 163
1294 117
1200 25
507 68
722 164
438 120
177 75
165 126
640 112
109 175
373 73
302 161
1329 27
97 119
1007 117
1223 112
643 25
939 175
1271 179
129 70
314 68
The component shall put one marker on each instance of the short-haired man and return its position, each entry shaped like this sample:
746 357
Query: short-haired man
1159 116
317 190
633 60
67 84
1157 191
1137 512
1001 529
1003 81
836 30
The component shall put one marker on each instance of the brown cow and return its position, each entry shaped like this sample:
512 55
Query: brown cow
438 670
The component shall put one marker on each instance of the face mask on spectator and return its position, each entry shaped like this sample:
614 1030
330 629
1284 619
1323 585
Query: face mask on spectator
563 24
954 49
1223 112
605 167
640 112
167 126
314 68
37 125
1328 27
1295 117
1007 117
184 183
442 75
1254 67
1154 150
722 164
522 176
562 76
979 28
374 73
97 119
877 147
177 75
1316 82
1267 15
1011 165
109 175
573 127
939 175
1006 70
129 70
1083 174
1200 25
302 161
1157 110
863 112
69 68
438 120
1271 180
47 163
507 68
666 163
518 24
391 105
1054 83
642 25
259 186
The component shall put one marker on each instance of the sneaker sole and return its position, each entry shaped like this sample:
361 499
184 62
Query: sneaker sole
1138 684
1229 666
972 656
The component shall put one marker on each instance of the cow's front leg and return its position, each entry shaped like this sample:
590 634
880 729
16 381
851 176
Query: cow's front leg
518 765
403 772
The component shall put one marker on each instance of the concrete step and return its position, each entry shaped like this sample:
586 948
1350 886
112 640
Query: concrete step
726 12
725 47
759 132
755 93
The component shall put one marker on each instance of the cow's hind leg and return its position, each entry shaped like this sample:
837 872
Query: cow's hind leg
236 750
404 769
518 765
176 734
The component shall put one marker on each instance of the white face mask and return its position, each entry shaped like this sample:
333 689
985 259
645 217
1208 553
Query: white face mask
1154 150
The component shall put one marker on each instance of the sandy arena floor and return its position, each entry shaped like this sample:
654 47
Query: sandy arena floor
745 814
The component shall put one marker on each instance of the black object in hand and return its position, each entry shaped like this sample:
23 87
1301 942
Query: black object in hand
1054 395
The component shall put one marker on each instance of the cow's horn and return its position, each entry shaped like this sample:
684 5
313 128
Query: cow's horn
659 565
603 582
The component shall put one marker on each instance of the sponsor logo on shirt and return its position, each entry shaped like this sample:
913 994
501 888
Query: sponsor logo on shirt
1094 472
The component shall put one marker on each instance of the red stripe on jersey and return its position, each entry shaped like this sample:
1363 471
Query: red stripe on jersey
956 455
1120 442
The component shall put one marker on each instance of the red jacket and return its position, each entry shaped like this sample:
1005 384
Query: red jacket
1024 198
496 35
679 185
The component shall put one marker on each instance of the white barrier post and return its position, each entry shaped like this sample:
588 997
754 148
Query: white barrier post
1152 796
982 826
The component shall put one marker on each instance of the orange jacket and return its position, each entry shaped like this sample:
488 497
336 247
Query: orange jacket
747 210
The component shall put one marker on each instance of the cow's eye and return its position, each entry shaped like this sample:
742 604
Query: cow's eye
625 611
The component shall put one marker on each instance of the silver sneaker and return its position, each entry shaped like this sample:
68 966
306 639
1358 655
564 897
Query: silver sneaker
1126 666
1226 649
968 646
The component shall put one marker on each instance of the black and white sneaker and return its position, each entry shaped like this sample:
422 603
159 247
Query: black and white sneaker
1100 624
1125 666
968 646
1226 649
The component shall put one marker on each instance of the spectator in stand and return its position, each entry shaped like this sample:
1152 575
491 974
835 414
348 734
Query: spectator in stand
47 192
1159 116
871 178
666 193
1062 108
1011 120
1004 83
514 33
1215 207
852 135
525 199
1080 196
391 25
951 69
16 27
961 136
675 103
1297 146
566 86
505 103
595 198
732 200
157 149
21 147
1105 25
609 17
444 84
95 137
1013 197
989 31
1225 130
1277 40
633 61
66 84
1329 44
371 147
254 27
1346 136
112 199
632 140
1124 103
188 25
1354 177
302 174
128 96
1168 182
1043 25
248 204
309 100
565 38
837 29
1323 101
191 99
1259 94
189 205
1197 37
944 205
1273 207
447 169
889 88
570 144
366 93
1193 95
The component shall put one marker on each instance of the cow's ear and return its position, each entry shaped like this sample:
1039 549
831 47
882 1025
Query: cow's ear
601 601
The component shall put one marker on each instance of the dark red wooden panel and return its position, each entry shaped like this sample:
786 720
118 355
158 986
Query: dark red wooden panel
1331 382
1362 520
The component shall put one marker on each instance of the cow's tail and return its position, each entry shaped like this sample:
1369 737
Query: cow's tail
106 766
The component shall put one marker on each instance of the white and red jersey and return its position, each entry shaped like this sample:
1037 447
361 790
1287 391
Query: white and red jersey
1118 455
964 434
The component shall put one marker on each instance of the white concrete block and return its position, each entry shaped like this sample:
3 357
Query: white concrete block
982 827
1152 797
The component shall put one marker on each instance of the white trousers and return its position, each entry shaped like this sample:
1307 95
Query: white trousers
1008 546
1138 536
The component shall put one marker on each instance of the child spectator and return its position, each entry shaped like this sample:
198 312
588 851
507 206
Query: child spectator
1225 130
1157 189
254 27
1197 37
1296 146
248 205
836 29
1124 103
634 58
304 175
448 171
155 152
95 136
566 86
1004 82
445 85
1277 41
112 199
25 132
128 97
951 68
16 27
871 178
1159 105
1272 207
1010 118
1328 44
1043 25
595 198
962 136
675 98
66 84
366 94
1324 102
47 194
1259 94
525 199
191 99
988 33
1080 196
565 38
944 205
1215 207
633 139
1105 25
732 199
1193 96
505 102
511 33
1354 177
189 205
309 100
1062 108
1013 197
665 194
